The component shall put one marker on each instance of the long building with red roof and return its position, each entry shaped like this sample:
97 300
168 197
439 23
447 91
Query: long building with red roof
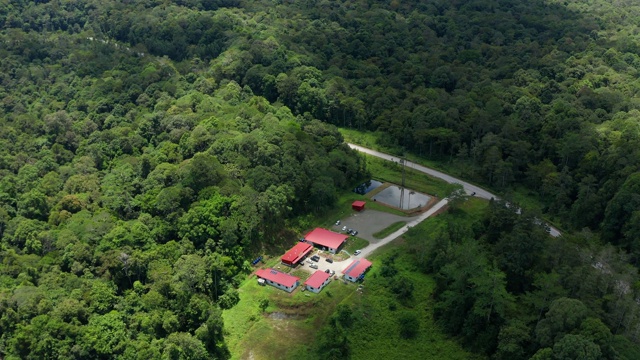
317 281
296 254
278 279
356 269
326 240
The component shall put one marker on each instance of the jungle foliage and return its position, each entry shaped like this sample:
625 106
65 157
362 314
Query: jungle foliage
149 148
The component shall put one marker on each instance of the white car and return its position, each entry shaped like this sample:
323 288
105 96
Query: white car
357 252
313 266
344 228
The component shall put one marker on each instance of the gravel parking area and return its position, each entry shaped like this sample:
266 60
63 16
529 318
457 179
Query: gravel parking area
369 222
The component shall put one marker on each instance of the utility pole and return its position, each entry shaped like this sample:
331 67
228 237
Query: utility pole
402 161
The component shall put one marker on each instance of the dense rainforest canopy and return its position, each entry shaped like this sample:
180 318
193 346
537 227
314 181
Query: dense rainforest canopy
149 148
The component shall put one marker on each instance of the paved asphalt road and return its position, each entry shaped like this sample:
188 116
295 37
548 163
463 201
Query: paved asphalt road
338 266
469 188
373 246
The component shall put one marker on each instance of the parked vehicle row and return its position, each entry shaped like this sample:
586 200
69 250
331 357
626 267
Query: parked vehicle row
352 232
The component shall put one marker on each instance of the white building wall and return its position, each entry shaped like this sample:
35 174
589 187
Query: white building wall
317 290
350 278
282 287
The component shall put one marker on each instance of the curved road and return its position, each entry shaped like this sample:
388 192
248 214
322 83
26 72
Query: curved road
468 188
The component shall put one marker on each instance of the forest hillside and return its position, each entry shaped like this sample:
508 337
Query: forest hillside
150 149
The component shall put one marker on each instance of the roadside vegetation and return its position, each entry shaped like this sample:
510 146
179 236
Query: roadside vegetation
391 172
395 306
355 243
389 230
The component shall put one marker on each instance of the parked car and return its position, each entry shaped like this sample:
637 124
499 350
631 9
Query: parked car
344 228
357 252
354 232
313 266
332 272
337 222
328 271
315 258
330 261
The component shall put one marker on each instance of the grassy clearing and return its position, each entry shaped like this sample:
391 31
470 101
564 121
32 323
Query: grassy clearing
284 330
389 230
288 327
392 172
366 139
369 140
355 243
378 310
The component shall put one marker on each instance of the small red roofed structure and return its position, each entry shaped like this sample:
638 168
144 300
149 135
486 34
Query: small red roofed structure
355 271
326 240
358 205
317 281
278 279
296 254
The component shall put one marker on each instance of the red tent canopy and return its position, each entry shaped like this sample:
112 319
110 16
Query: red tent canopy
358 205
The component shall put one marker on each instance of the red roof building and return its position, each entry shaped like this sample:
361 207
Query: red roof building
358 205
325 239
357 269
317 281
278 279
296 253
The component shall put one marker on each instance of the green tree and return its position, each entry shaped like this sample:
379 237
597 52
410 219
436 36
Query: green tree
564 316
514 340
105 335
33 205
576 347
201 171
184 346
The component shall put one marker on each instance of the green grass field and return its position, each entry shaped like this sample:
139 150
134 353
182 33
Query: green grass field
392 172
287 327
380 309
389 230
355 243
376 330
291 322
